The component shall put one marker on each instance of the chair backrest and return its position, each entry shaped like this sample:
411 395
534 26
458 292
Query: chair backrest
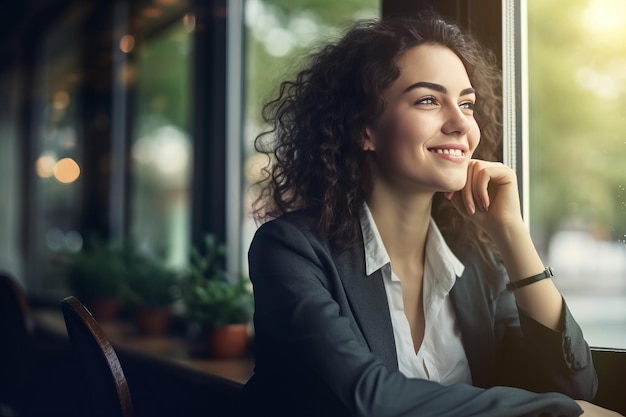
106 382
15 346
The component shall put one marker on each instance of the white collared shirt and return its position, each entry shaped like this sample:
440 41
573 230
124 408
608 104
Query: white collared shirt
441 357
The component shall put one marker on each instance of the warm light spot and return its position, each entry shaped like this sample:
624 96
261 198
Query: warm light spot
60 100
151 12
45 165
254 168
66 171
189 20
166 2
127 43
604 15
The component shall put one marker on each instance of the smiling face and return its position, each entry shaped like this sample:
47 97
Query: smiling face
425 138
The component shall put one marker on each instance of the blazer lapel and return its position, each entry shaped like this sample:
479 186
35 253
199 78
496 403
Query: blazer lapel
476 327
368 301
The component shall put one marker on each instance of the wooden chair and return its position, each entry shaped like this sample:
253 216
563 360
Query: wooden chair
16 347
106 382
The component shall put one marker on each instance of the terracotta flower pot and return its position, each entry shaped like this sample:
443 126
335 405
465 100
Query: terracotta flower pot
153 321
227 342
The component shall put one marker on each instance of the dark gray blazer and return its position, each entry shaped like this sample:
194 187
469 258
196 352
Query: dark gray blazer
325 345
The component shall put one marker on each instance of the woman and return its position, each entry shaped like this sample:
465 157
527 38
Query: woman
380 281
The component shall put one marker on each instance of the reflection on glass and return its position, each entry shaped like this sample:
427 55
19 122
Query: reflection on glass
277 32
56 188
161 149
577 83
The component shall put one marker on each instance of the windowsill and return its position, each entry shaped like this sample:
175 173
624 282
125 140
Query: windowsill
164 351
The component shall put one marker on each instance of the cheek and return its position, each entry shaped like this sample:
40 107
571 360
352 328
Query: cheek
474 136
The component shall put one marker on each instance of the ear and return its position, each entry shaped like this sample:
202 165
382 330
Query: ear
368 141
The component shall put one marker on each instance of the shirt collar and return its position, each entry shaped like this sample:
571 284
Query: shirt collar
376 256
375 253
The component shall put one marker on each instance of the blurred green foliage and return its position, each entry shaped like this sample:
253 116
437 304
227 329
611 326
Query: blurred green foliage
577 83
120 270
212 296
96 272
164 80
147 283
325 18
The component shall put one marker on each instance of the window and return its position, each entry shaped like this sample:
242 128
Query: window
161 149
277 32
56 156
106 79
577 179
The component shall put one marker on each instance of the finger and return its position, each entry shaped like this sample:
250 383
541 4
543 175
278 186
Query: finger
488 178
480 189
466 192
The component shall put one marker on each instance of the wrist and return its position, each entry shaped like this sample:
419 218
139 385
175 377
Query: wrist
518 252
514 285
511 234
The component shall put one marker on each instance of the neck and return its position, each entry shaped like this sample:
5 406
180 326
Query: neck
402 220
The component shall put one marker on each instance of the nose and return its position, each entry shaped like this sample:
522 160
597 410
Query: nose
456 122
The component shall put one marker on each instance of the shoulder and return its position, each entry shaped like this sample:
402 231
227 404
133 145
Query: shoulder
293 225
290 235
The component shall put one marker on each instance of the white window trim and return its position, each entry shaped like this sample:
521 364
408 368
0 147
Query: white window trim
515 95
234 103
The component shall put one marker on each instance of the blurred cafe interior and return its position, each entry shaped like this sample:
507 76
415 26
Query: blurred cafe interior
127 172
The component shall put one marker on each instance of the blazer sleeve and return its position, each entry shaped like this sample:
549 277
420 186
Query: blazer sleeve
541 359
308 349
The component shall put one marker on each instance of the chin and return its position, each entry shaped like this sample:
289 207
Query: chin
456 186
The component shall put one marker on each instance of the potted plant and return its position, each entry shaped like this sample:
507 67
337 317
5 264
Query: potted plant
148 289
221 303
95 276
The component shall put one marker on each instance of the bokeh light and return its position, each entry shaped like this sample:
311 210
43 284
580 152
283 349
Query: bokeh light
66 171
127 43
44 166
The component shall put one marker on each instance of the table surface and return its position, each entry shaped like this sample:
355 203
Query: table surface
167 349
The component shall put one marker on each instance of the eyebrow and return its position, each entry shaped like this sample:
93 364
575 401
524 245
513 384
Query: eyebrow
437 87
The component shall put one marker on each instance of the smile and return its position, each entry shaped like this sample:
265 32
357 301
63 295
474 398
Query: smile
453 152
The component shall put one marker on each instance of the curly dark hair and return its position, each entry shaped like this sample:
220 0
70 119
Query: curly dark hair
315 143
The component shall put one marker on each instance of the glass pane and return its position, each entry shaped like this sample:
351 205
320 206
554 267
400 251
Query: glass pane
577 84
277 32
56 158
161 147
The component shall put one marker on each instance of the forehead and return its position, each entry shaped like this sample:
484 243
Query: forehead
432 63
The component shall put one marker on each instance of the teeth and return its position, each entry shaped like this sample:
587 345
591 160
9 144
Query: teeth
455 152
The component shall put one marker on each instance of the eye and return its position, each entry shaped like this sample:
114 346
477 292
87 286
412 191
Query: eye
427 101
467 105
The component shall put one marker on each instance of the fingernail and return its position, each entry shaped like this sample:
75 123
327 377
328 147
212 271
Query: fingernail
471 209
